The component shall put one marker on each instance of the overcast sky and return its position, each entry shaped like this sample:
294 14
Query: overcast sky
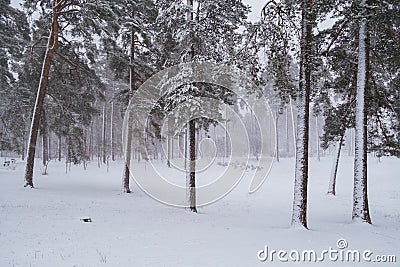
254 16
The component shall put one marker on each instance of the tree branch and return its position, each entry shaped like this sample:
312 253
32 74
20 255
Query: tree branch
37 42
333 40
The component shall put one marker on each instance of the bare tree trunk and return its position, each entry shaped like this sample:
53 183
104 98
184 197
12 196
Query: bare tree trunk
128 148
104 131
192 164
360 193
59 147
91 141
128 160
293 124
112 132
332 181
299 216
226 133
45 140
192 132
317 139
23 150
172 147
50 146
350 150
287 132
44 78
169 143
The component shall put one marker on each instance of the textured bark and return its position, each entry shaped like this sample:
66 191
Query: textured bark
332 181
299 216
360 193
44 78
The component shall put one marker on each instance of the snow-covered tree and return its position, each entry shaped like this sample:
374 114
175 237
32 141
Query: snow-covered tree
72 24
14 32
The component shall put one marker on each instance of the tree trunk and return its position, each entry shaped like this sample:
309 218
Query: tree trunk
287 132
23 150
128 160
169 143
128 148
317 139
112 132
191 132
91 141
44 78
360 195
332 181
299 216
50 146
226 133
59 147
293 124
192 165
45 139
104 131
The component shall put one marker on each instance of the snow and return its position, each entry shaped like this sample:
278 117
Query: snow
43 227
360 206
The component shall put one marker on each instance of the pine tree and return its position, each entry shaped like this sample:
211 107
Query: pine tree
299 216
80 20
208 32
380 135
14 32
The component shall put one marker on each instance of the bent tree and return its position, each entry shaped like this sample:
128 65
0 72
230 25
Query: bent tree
51 47
70 18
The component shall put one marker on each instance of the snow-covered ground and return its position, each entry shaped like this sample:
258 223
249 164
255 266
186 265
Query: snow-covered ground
42 226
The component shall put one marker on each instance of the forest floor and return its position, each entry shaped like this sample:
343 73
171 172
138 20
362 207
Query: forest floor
43 227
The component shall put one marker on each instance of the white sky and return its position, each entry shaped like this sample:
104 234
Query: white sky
254 15
256 5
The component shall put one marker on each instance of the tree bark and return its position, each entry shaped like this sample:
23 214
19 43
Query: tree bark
299 216
169 143
59 147
317 139
128 160
192 131
128 148
104 131
112 132
45 139
332 181
44 78
360 192
287 132
192 164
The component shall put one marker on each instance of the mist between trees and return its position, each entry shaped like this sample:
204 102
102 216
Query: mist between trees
70 67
